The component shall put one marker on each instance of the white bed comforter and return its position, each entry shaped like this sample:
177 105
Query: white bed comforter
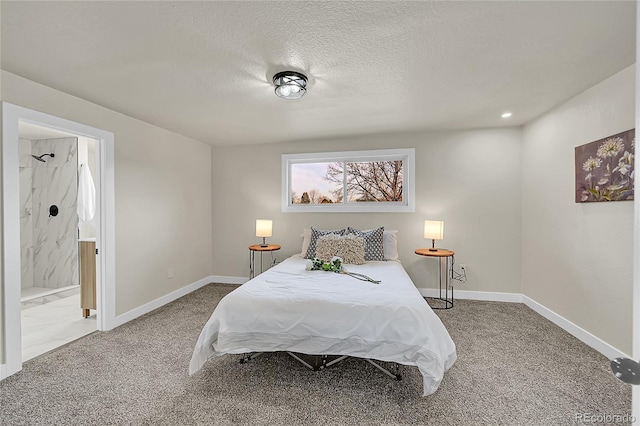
322 313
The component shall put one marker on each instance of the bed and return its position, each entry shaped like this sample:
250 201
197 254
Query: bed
288 308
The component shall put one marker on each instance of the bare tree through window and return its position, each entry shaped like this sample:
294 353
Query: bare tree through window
368 181
351 181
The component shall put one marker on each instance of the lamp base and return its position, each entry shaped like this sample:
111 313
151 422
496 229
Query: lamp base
264 245
433 249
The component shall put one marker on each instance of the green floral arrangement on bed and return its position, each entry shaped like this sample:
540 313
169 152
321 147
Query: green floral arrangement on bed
335 265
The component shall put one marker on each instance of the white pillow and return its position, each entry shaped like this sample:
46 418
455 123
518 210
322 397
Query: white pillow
306 239
390 244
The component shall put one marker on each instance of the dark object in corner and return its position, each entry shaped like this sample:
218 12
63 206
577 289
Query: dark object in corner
626 370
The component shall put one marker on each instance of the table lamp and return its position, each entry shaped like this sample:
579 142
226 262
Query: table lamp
263 229
434 230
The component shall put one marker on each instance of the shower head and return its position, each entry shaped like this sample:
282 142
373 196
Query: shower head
43 155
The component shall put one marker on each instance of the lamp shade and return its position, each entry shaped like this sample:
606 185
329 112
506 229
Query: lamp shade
263 228
434 229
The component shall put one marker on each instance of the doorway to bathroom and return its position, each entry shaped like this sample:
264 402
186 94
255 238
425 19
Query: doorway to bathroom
48 216
57 237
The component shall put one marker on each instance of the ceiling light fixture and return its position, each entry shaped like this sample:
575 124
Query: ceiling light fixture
506 115
290 84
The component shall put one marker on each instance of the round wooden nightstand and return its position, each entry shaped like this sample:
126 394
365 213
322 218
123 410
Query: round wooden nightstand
446 261
260 248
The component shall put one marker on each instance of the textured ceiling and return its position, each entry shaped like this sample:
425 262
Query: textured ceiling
204 69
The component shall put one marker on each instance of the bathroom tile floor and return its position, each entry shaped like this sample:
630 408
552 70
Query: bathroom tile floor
48 326
34 296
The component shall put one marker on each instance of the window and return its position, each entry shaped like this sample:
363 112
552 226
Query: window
356 181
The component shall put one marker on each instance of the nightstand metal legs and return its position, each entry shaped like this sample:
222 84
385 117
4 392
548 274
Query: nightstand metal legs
448 268
446 263
252 256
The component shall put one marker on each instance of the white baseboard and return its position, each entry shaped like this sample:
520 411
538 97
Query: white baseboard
576 331
3 371
580 333
222 279
161 301
491 296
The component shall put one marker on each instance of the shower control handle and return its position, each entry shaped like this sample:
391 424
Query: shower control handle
53 210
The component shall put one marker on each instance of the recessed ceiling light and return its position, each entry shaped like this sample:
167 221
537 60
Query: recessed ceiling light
290 84
506 115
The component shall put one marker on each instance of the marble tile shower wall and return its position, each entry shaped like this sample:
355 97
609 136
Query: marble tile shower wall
26 206
49 246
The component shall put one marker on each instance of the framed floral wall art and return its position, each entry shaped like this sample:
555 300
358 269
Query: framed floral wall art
605 169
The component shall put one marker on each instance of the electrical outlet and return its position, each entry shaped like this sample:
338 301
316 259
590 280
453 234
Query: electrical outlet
170 273
459 276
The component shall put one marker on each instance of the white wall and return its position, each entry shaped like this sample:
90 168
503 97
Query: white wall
162 195
2 354
469 179
577 258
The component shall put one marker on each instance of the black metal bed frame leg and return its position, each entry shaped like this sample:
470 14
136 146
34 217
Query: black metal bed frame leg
248 357
337 360
396 376
301 361
325 363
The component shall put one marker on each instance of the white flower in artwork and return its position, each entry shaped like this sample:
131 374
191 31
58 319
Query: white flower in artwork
610 147
624 168
603 181
591 163
625 163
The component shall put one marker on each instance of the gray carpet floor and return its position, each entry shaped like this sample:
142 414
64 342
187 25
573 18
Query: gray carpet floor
514 368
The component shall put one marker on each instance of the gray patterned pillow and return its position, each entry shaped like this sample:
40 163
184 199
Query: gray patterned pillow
315 234
348 247
373 248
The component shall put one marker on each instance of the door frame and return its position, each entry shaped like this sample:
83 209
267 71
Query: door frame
105 225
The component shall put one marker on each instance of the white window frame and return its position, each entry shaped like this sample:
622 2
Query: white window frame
407 205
